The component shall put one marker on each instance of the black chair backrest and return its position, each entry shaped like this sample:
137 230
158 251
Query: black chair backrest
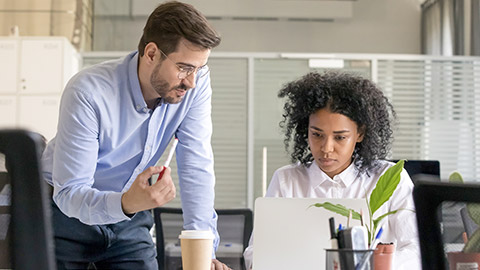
159 232
414 167
5 235
229 228
31 240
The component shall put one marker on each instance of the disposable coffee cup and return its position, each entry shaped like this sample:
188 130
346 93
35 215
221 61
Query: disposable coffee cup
197 249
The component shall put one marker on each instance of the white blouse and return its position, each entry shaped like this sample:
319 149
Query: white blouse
310 181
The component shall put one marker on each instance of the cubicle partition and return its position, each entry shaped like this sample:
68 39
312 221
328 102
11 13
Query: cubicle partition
437 100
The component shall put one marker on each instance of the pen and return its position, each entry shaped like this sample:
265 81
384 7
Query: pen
331 222
169 158
333 234
367 255
380 225
377 239
333 240
339 236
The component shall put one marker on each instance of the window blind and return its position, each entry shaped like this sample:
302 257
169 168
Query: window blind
229 138
438 111
437 100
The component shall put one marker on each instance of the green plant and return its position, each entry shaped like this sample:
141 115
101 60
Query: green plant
473 210
386 185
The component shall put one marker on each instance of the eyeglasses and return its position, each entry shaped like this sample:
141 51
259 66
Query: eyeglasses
184 72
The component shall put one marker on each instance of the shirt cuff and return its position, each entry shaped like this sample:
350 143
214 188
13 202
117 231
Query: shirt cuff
114 207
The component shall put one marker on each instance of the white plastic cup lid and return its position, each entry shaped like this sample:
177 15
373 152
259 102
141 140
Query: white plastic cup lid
196 234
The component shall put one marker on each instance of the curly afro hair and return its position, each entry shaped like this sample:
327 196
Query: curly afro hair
355 97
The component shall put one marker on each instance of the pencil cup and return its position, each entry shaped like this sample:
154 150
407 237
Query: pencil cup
349 259
197 248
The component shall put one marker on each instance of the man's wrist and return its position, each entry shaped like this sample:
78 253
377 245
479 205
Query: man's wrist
126 211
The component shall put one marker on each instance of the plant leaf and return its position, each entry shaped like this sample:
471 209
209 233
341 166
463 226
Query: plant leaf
473 244
473 210
386 185
455 177
338 208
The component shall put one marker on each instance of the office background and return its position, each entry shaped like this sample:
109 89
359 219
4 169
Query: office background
406 46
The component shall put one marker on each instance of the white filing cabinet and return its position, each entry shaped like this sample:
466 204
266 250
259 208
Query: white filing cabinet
8 108
34 71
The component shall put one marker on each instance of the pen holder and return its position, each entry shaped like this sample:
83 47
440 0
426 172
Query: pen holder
383 256
348 259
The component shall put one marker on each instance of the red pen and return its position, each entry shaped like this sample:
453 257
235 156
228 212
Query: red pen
169 158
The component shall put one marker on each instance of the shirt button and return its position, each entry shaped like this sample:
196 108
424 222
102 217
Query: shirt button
139 107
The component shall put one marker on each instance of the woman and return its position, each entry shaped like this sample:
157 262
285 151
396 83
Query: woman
339 129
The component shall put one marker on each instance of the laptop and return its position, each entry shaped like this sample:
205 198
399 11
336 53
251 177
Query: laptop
290 235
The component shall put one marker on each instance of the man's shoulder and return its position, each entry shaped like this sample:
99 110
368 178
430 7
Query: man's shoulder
100 79
102 73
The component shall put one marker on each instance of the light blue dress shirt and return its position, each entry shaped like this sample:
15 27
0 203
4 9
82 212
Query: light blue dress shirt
106 136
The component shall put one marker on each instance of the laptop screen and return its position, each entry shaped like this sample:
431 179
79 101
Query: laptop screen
290 235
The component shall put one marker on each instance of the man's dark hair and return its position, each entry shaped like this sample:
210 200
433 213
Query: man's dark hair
171 21
355 97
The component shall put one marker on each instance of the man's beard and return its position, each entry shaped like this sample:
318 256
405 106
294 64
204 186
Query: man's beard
162 87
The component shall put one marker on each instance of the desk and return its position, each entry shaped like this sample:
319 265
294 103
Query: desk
228 253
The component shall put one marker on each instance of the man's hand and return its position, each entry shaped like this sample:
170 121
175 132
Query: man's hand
218 265
141 196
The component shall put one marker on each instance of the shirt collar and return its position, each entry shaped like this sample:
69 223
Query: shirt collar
316 175
319 177
138 100
348 175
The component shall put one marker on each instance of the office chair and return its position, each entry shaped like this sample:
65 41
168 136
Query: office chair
428 197
234 227
428 167
429 170
5 261
29 230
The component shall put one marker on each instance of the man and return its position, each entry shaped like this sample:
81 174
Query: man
116 119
